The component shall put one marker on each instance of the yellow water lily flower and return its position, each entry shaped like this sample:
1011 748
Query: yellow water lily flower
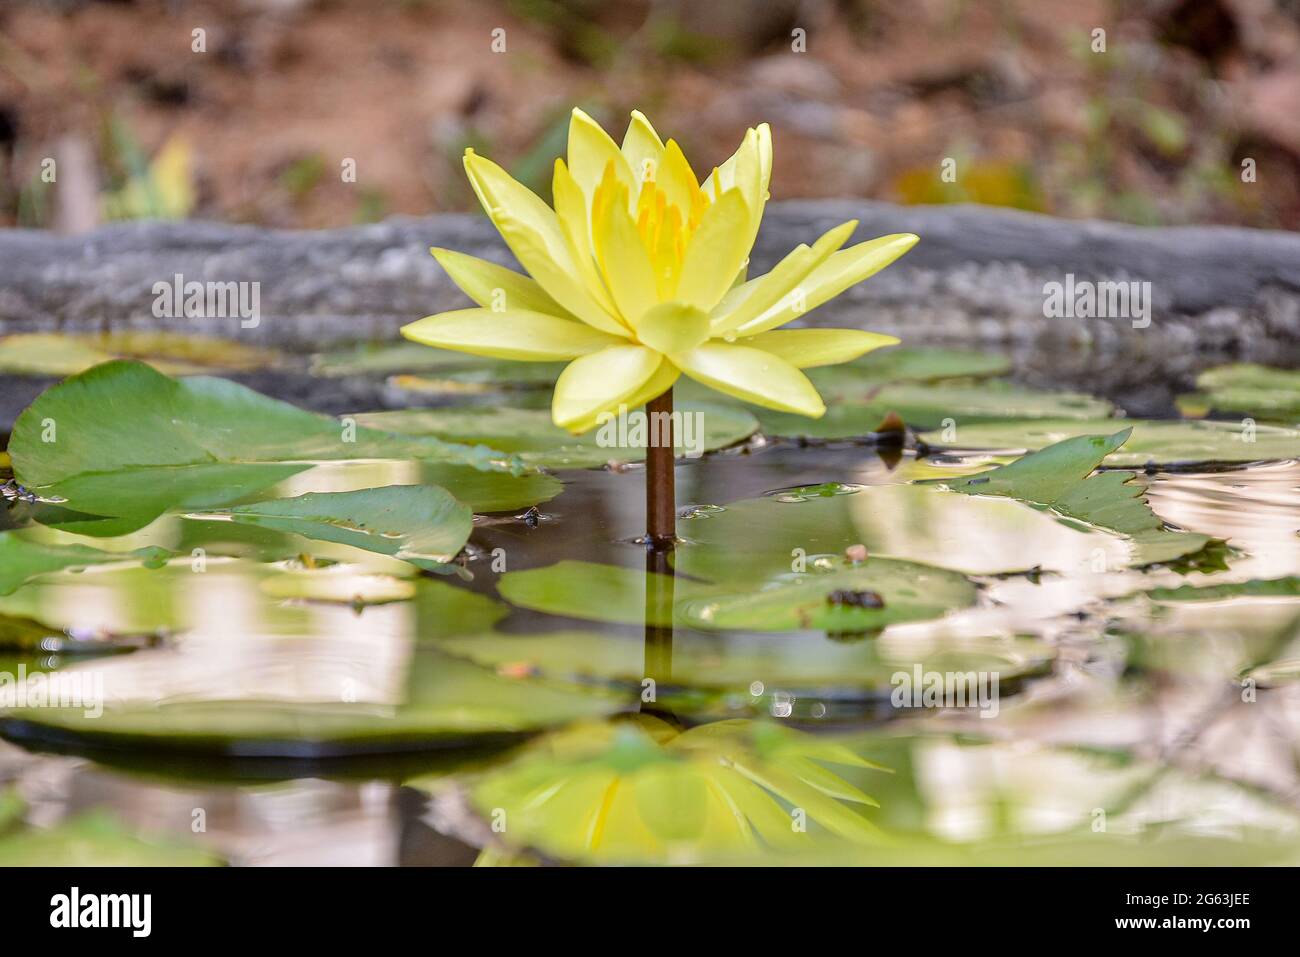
638 276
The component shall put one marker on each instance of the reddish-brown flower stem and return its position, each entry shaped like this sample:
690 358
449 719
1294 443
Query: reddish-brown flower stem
660 493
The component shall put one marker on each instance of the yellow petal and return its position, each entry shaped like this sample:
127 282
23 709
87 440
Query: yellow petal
575 220
752 375
673 327
840 271
642 149
742 169
676 178
590 151
561 281
716 253
624 262
493 286
512 334
759 295
765 155
599 382
533 232
497 192
806 348
749 169
660 382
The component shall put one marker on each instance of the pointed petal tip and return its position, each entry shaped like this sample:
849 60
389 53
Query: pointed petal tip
580 115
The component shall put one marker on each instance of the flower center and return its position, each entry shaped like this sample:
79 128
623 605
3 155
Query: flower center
664 227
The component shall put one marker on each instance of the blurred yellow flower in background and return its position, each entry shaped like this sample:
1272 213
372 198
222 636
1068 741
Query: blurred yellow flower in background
639 790
638 275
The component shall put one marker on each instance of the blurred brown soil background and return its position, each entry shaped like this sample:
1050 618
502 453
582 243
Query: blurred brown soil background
259 126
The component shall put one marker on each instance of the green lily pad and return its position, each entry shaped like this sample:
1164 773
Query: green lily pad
763 538
444 611
848 599
422 524
126 443
733 663
1158 442
1288 587
537 441
591 591
928 406
171 699
61 354
455 370
907 364
1266 394
96 839
1060 478
340 583
12 809
861 380
23 557
836 599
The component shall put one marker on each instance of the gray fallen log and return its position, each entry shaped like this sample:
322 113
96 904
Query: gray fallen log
978 276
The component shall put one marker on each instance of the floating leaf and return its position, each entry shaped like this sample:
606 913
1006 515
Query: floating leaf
62 354
1160 442
860 380
842 599
12 809
179 699
758 539
444 611
907 364
454 370
1266 394
927 406
590 591
96 839
734 662
338 583
23 557
1255 588
531 434
126 443
422 524
1060 477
